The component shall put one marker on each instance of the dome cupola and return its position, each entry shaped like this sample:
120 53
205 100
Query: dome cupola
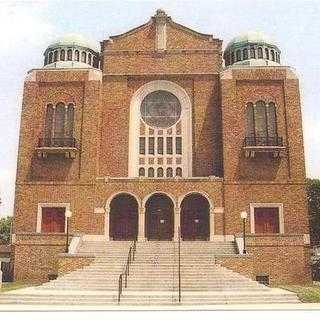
252 48
72 51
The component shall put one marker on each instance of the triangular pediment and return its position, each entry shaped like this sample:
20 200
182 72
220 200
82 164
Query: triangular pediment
175 36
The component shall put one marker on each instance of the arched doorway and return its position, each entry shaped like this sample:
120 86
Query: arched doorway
159 217
124 217
195 223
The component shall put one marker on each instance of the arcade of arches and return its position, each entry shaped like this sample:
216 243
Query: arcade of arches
158 218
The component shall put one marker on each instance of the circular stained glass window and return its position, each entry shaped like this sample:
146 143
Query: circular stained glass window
160 109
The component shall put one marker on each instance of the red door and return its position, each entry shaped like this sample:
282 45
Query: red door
266 220
53 220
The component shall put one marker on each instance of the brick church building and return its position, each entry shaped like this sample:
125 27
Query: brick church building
159 133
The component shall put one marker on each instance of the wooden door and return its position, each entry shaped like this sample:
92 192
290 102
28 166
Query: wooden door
266 220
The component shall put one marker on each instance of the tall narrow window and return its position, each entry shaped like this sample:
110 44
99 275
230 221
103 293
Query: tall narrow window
48 122
245 54
159 172
178 145
252 53
151 145
250 120
150 172
260 53
89 59
46 59
59 121
77 55
70 121
141 172
238 55
232 57
169 145
160 145
55 56
272 55
95 62
267 53
169 173
50 57
62 55
260 119
142 145
83 56
261 123
69 54
271 120
179 172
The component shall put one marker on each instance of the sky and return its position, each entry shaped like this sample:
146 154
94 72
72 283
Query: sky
27 27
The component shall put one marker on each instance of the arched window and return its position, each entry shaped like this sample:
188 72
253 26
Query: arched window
245 54
159 172
178 172
261 123
260 53
252 53
50 57
69 55
232 57
169 172
62 55
46 59
77 55
277 57
83 57
150 172
266 50
90 59
272 55
141 172
55 56
48 122
238 55
70 121
59 119
95 62
59 125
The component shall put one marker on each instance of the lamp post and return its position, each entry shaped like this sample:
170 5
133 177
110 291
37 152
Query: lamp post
68 215
244 216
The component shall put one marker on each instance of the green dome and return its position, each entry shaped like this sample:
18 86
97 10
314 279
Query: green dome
254 37
75 40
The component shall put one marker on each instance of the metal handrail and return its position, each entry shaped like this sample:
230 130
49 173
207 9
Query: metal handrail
125 273
179 263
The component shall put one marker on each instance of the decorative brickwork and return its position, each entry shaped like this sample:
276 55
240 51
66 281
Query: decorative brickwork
220 169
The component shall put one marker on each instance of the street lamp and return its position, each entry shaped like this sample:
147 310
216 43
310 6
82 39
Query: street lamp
68 215
244 216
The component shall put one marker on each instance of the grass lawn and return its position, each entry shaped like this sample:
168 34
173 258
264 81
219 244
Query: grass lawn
307 293
7 286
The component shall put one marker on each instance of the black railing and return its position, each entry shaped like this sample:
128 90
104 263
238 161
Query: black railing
57 142
179 263
263 141
125 273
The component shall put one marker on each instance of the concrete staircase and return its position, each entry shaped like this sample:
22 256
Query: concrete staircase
153 278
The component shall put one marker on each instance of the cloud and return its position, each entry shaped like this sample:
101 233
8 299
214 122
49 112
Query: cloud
23 24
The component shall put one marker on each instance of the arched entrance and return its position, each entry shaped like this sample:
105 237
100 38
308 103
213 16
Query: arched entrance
124 217
159 217
195 219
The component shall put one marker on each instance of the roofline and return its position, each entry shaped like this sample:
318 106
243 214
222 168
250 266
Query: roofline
170 21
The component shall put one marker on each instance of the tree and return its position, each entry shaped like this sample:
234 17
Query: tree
5 228
313 195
